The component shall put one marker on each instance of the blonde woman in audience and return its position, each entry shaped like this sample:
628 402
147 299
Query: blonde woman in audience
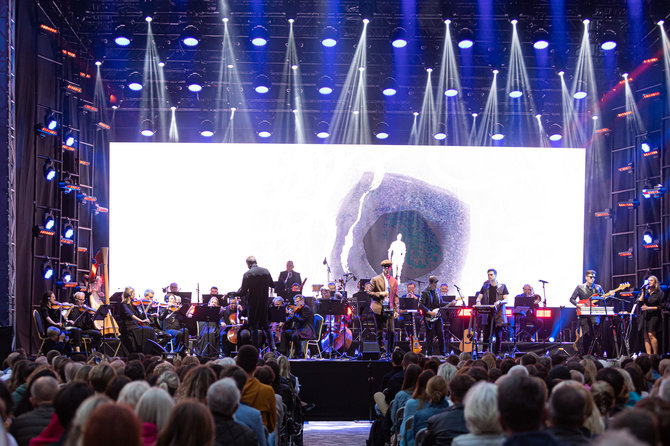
132 392
481 417
153 409
84 411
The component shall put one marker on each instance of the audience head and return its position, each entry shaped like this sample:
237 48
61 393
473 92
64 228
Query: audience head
411 375
247 358
190 424
68 399
481 409
112 424
132 392
115 386
614 379
421 382
196 383
567 407
518 370
134 370
168 381
43 390
603 397
640 423
100 376
223 397
459 386
661 409
436 390
154 407
521 404
397 357
409 358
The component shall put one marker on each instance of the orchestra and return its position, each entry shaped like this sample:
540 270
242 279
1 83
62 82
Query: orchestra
424 319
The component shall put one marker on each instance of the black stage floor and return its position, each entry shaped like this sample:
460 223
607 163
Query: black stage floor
342 389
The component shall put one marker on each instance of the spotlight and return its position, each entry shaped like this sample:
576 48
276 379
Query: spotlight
541 39
66 275
498 134
555 133
389 87
68 230
135 81
70 140
122 37
322 130
47 270
580 94
190 36
465 38
514 21
147 128
49 221
264 129
514 94
648 237
49 169
207 128
645 147
451 92
609 40
194 82
262 84
259 36
51 120
329 37
441 133
382 131
366 21
325 85
399 38
653 192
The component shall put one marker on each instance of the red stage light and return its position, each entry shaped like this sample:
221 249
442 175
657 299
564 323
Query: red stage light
465 312
544 313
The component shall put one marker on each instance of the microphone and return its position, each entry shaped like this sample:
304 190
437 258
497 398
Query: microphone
456 287
542 281
325 262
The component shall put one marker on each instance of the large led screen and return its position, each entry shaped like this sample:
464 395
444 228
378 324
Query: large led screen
192 213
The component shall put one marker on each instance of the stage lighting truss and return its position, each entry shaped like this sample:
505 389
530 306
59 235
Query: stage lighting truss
67 232
465 38
261 84
649 241
69 141
264 129
190 36
382 131
609 40
67 278
135 81
322 130
47 270
207 128
325 85
329 36
67 185
47 227
122 36
49 169
399 37
194 82
147 128
389 87
648 149
259 35
653 191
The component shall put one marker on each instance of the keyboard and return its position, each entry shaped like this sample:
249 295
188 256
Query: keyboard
483 309
595 311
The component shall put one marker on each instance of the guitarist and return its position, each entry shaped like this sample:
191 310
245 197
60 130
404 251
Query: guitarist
430 305
582 297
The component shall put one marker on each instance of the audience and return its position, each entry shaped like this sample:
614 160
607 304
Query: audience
153 410
113 425
567 414
245 414
32 423
223 398
481 418
190 424
443 427
435 402
255 393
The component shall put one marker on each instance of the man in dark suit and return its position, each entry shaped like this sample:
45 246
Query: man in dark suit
286 280
256 284
430 305
445 426
298 327
384 293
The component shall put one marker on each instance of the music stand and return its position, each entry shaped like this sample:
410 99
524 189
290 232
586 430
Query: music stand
186 296
223 300
208 315
330 307
409 304
277 314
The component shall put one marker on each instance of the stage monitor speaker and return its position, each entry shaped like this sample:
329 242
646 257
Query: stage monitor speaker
370 351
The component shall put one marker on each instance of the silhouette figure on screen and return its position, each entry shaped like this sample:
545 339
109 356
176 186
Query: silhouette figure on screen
396 254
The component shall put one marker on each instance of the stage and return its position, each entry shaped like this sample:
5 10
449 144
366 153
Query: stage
342 389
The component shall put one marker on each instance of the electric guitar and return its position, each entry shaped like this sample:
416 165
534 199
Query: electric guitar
589 303
416 346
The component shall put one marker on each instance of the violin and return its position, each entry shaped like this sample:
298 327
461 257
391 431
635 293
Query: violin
142 301
61 306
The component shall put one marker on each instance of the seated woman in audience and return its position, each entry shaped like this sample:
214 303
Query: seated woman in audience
481 417
433 402
113 425
190 424
412 405
153 409
405 393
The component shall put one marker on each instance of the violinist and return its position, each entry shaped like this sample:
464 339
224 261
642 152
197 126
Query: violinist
209 332
173 321
298 327
134 335
82 317
148 304
52 314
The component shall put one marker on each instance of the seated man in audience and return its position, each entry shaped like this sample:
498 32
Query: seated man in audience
522 414
384 397
567 413
30 424
246 415
222 400
257 394
444 427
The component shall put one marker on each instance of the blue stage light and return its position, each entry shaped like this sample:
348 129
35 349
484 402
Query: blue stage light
647 237
608 45
264 129
51 120
465 38
47 270
645 147
49 221
451 92
580 95
399 38
609 40
122 37
207 128
329 37
389 87
190 36
262 84
514 94
555 137
66 275
259 36
70 140
49 170
540 39
147 128
552 339
135 81
194 82
465 43
68 231
497 136
541 44
322 130
325 85
382 131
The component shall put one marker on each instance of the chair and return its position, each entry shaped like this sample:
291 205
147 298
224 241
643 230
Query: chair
318 325
397 422
39 326
409 429
420 437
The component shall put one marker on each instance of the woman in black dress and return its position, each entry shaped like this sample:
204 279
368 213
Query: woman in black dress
652 301
52 316
134 335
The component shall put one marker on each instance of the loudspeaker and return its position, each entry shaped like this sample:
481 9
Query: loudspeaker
370 350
